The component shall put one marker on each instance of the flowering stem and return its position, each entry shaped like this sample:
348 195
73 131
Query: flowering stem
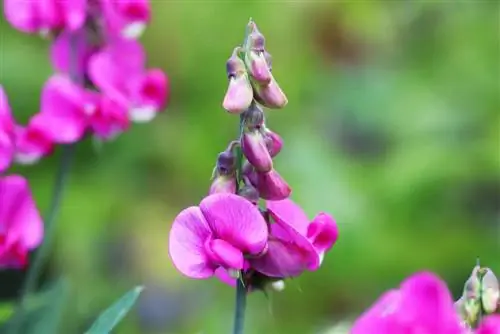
241 301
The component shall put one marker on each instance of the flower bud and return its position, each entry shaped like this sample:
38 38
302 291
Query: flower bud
255 150
258 67
274 142
253 117
270 95
490 293
239 94
272 186
223 184
250 193
269 60
225 163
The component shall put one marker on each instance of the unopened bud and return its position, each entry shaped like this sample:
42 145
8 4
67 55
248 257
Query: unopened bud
490 293
272 186
258 67
253 117
256 40
225 162
270 95
250 193
223 184
269 60
239 94
274 142
253 146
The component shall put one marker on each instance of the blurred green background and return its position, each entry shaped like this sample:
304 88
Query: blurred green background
392 127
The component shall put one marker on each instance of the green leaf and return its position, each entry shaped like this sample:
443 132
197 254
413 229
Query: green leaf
115 313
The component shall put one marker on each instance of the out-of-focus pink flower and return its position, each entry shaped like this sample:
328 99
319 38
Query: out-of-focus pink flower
217 233
125 80
65 110
422 304
490 325
295 244
42 16
109 118
21 224
126 18
62 56
6 132
32 142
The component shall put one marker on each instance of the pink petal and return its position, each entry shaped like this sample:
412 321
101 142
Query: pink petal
60 51
239 94
187 238
490 325
19 215
6 132
31 144
109 119
287 212
74 13
149 94
235 220
22 15
323 232
64 109
378 317
224 276
224 254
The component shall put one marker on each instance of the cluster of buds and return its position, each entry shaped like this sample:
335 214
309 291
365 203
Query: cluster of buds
247 227
100 84
481 296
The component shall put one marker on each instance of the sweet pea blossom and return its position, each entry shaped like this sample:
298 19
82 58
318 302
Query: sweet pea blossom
421 305
43 16
21 227
6 132
124 79
296 244
218 233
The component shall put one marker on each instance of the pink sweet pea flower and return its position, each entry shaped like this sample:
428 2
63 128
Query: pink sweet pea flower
21 227
109 119
32 142
216 234
422 304
490 325
295 244
65 110
61 52
126 18
6 132
125 80
42 16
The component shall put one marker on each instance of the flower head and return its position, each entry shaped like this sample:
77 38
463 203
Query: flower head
21 227
217 233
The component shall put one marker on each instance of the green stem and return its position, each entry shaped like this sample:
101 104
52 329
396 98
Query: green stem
239 313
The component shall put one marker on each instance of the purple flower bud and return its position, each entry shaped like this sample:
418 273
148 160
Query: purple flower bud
272 186
223 184
253 117
225 163
255 150
269 60
271 95
255 41
257 67
239 94
250 193
274 142
490 293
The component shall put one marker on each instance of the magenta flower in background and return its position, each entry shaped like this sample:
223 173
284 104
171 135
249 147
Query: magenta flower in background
422 304
44 16
490 325
61 53
109 118
32 142
216 234
6 132
21 225
126 18
295 243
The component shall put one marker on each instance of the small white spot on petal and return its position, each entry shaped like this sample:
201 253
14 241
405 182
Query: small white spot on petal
27 158
278 285
133 30
142 114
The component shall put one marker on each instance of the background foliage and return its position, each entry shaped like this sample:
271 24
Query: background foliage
392 126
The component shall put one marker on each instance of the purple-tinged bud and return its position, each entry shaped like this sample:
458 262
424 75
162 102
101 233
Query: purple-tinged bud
271 95
253 117
258 67
223 184
272 186
250 193
253 146
274 142
239 94
225 162
269 60
256 40
490 293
